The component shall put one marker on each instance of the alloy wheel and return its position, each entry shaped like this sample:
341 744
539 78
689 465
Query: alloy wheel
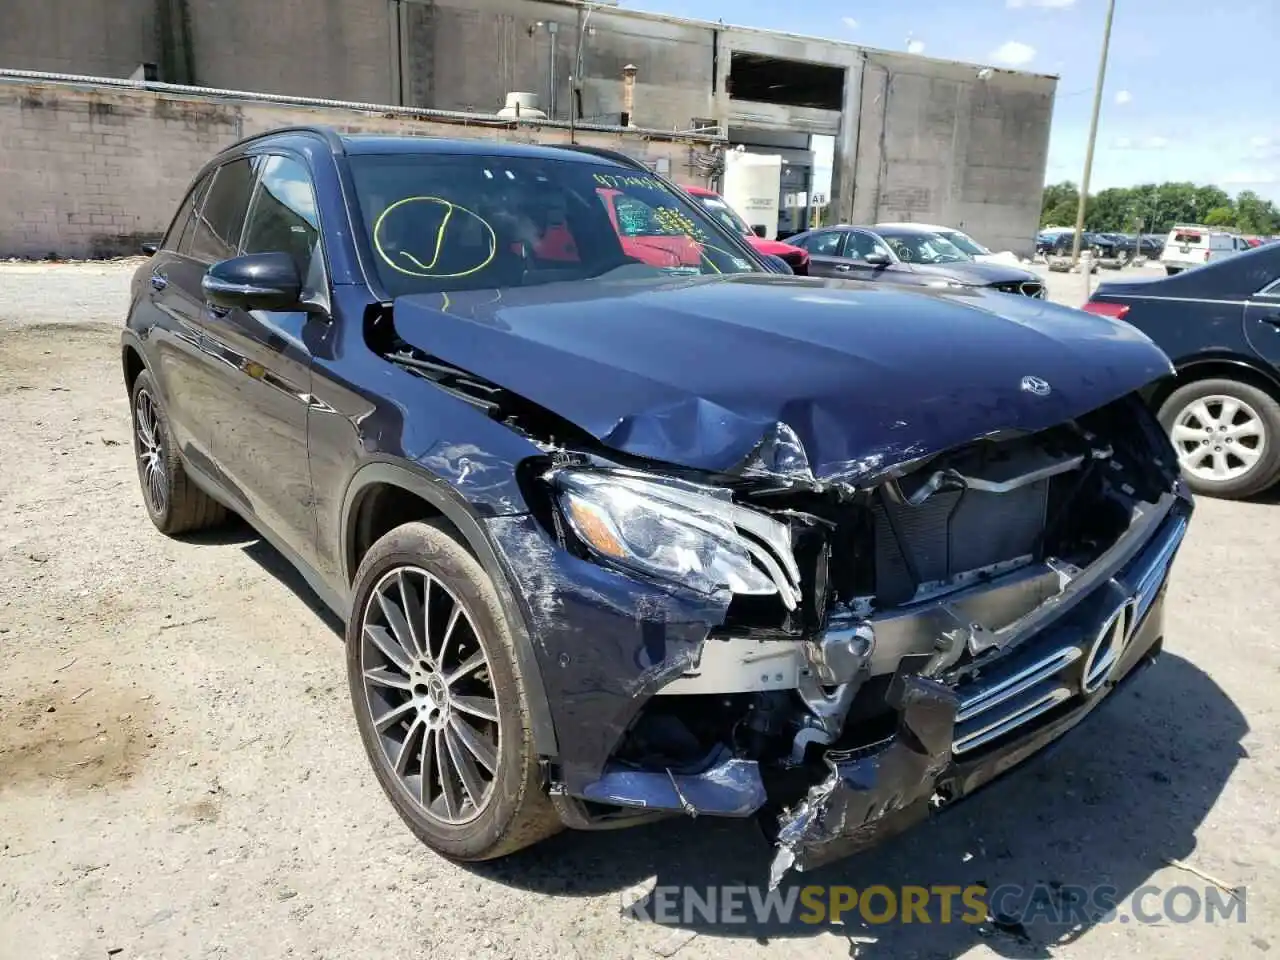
1218 438
430 694
150 448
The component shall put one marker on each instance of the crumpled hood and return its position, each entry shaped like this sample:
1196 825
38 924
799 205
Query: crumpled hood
810 379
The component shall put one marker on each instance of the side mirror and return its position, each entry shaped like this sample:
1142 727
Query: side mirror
150 247
778 265
257 281
877 259
760 231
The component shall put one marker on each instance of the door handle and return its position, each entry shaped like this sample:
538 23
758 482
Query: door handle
1271 320
159 281
219 312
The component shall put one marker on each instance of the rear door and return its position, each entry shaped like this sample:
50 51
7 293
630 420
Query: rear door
172 296
260 424
825 249
1262 321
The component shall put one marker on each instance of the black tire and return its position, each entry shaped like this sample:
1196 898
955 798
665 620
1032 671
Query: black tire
1266 471
1172 271
518 813
175 505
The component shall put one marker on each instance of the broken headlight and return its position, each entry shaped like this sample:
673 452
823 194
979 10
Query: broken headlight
688 534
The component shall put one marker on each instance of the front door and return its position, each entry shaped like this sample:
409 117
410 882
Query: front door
260 428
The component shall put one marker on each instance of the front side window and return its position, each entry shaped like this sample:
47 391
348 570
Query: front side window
283 217
221 218
459 222
862 245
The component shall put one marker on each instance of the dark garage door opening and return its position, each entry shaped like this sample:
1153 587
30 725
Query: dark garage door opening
788 83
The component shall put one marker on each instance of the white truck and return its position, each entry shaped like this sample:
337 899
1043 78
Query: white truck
1191 245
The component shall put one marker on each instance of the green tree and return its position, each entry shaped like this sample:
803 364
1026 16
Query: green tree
1058 205
1224 216
1255 215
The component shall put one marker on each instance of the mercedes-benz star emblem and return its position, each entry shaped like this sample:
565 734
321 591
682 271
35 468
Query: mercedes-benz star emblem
1037 386
1108 646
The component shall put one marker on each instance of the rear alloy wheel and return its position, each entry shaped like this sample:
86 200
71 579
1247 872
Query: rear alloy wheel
1227 437
438 699
174 503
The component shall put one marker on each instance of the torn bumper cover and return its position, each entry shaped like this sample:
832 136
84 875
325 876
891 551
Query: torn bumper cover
878 791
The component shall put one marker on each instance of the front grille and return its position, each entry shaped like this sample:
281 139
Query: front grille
1030 681
1027 288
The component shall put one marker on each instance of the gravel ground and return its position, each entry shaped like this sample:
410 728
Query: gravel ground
180 775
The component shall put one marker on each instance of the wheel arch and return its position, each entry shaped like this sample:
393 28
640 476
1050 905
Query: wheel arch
1221 366
436 501
132 363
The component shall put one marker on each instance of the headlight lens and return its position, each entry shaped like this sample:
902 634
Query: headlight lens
679 532
946 283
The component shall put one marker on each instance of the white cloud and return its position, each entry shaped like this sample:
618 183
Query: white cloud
915 46
1146 143
1014 54
1260 142
849 22
1123 97
1047 4
1250 177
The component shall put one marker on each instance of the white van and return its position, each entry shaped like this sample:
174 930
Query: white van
1192 245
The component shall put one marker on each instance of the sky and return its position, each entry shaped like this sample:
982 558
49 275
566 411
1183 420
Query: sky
1191 85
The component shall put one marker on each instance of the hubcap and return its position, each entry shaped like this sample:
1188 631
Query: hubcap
430 694
151 465
1218 438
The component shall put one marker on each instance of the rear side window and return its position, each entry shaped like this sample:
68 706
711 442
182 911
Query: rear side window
220 221
173 239
283 218
825 244
1188 238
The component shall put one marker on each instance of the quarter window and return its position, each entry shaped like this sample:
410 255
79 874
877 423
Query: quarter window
221 219
283 217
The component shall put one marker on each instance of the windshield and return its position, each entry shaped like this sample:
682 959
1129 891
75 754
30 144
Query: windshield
923 247
965 243
727 216
439 222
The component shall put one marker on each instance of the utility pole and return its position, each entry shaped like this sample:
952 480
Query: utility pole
1093 134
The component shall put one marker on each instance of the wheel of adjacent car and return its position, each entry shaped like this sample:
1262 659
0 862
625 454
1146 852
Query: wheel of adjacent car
439 699
174 503
1171 271
1227 435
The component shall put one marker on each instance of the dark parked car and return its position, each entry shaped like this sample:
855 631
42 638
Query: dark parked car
1220 323
908 256
618 538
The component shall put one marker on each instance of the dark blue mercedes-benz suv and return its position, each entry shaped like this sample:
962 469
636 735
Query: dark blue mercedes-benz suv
625 524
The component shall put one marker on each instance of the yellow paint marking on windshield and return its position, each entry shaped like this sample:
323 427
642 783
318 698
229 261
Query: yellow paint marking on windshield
427 268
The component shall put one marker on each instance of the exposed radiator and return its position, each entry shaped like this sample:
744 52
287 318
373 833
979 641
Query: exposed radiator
953 532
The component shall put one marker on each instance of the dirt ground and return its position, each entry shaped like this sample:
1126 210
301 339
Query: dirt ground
180 775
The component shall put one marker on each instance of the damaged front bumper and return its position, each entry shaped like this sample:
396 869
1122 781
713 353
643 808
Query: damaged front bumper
605 644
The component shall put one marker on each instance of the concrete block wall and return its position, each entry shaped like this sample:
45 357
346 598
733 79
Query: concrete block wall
92 171
938 144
